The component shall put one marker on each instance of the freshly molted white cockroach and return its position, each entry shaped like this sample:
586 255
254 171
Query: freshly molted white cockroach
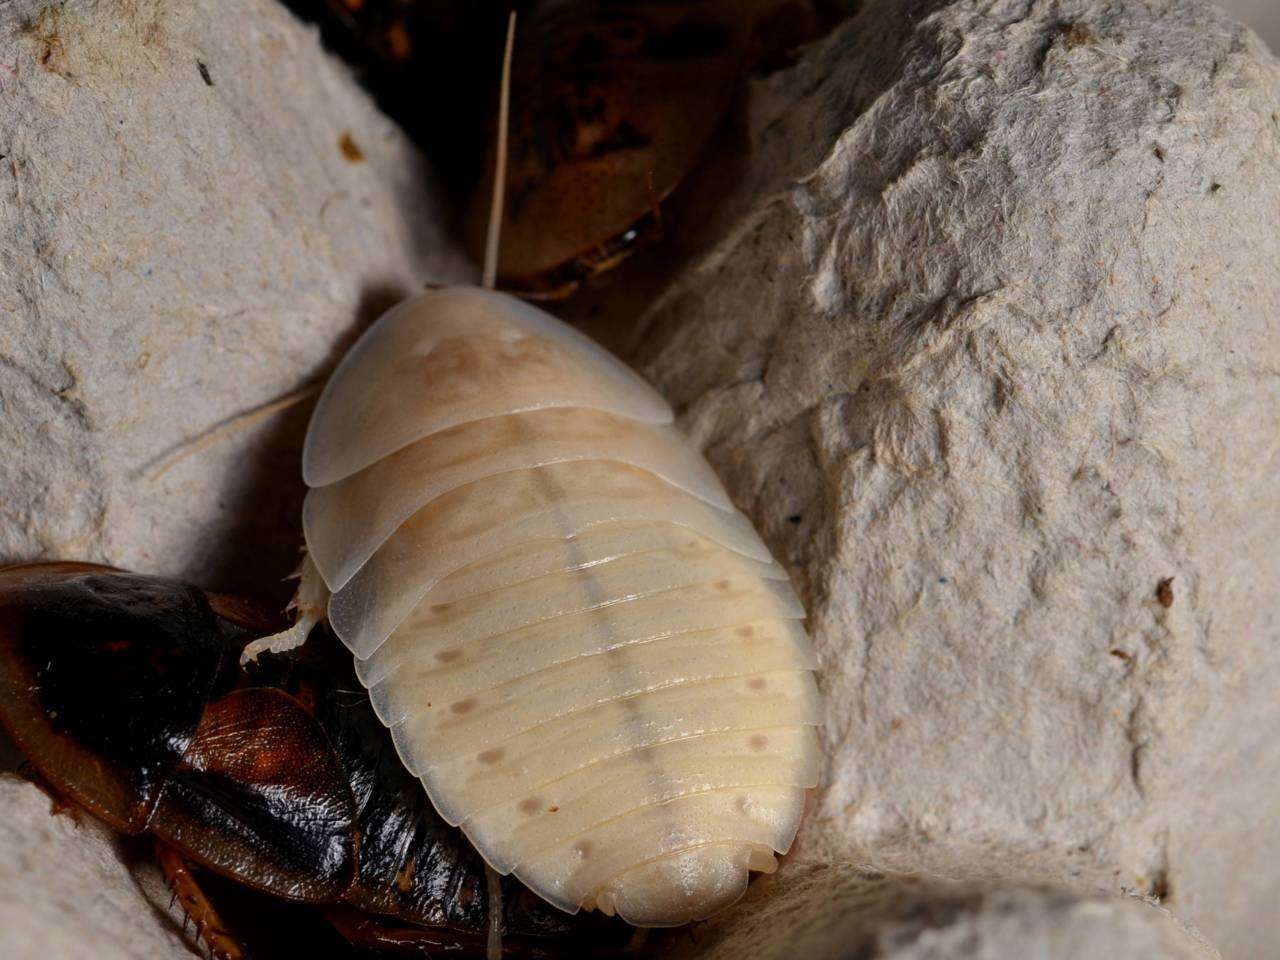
579 645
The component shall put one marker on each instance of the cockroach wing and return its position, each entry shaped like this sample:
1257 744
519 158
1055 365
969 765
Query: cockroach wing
585 653
261 796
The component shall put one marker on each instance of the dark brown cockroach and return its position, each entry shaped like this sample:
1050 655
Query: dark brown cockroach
123 692
612 105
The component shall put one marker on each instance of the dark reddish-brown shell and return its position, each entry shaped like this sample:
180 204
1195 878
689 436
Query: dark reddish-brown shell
612 103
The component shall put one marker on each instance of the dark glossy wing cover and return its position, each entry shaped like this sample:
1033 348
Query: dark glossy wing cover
260 797
412 865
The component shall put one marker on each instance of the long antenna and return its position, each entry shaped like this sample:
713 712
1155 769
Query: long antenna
490 276
160 466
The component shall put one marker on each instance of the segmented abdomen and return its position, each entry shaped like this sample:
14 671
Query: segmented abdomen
580 646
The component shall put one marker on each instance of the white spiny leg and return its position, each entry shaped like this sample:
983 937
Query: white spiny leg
309 605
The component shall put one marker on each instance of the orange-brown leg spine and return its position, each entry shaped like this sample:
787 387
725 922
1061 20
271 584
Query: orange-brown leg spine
210 930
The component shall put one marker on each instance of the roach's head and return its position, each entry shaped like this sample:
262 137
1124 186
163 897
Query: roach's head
119 690
103 678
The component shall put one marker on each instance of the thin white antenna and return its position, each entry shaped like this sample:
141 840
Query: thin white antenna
159 467
490 276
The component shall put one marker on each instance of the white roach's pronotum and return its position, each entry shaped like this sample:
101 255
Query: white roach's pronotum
579 645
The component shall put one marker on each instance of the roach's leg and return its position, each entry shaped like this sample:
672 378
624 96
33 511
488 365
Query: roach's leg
553 295
383 935
493 946
196 906
655 208
310 605
367 932
637 941
59 807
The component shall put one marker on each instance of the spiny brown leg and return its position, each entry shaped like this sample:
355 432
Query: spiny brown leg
196 906
384 935
552 295
60 807
367 932
637 941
